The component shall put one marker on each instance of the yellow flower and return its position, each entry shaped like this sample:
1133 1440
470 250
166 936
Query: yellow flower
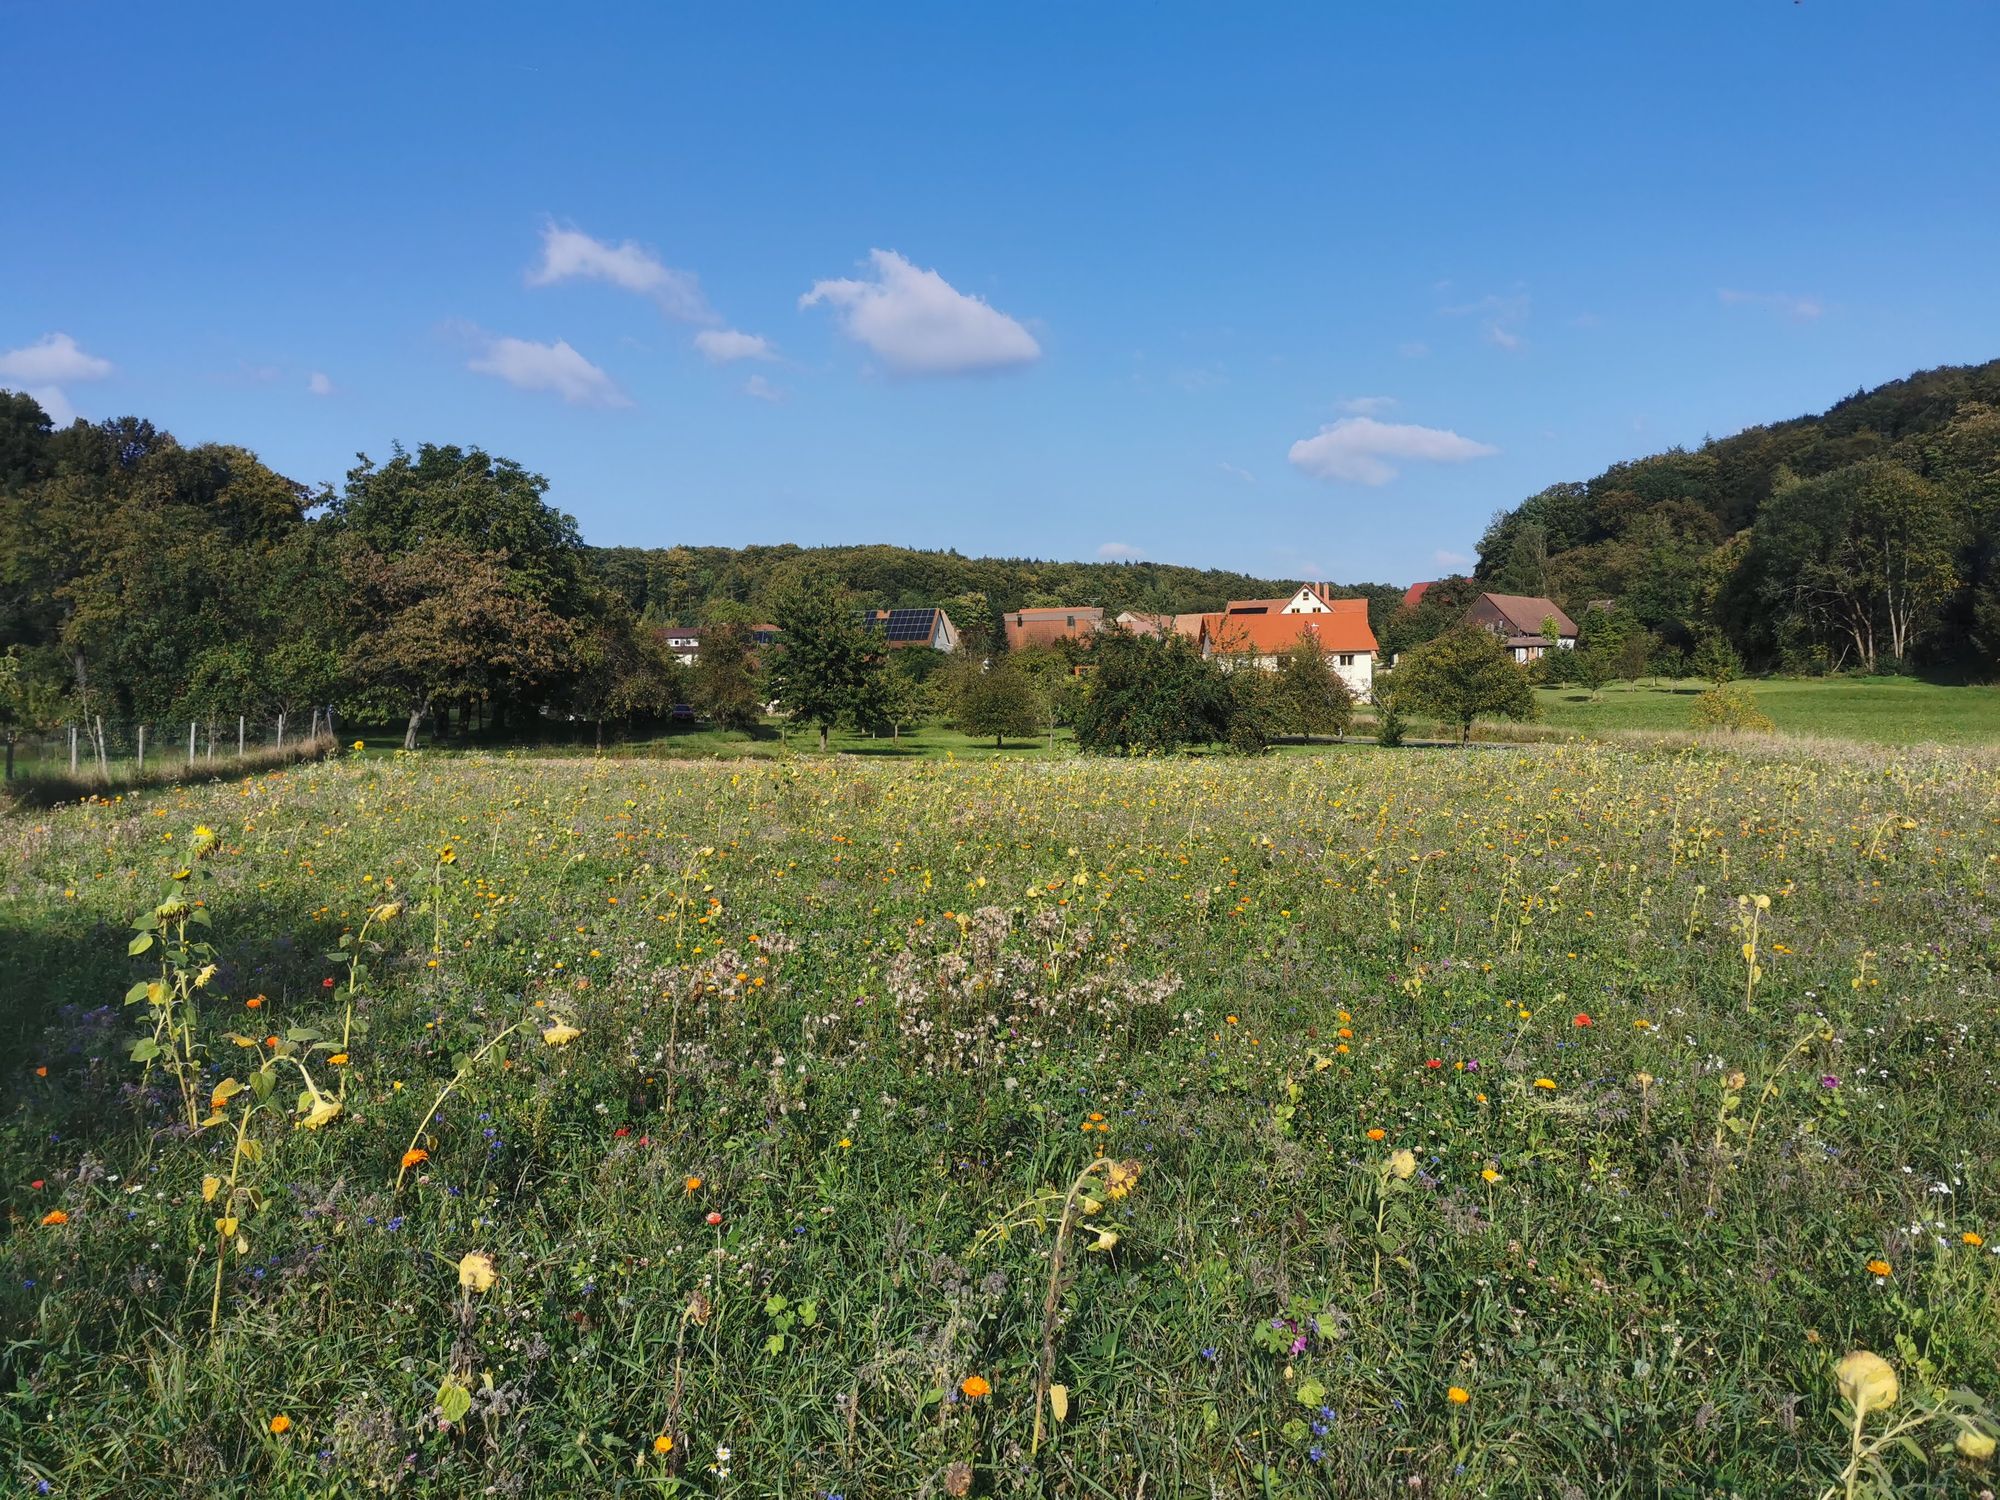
845 1143
1975 1445
361 744
1489 1174
1402 1164
280 1425
475 1271
1969 1238
663 1444
1106 1241
1880 1267
205 840
1545 1083
338 1060
1122 1178
1866 1381
1457 1395
323 1110
561 1034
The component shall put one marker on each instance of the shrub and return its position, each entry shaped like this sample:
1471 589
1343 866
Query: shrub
1731 706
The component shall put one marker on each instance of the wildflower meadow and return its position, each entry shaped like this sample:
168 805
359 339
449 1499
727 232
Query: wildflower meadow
1558 1121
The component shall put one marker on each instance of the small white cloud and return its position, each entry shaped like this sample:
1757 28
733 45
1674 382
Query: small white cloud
1414 349
724 345
1798 309
1506 339
920 324
1119 552
1356 449
318 384
52 358
570 254
762 389
554 367
51 400
1367 406
1243 474
1448 559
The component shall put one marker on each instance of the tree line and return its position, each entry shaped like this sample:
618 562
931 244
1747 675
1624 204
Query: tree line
1866 538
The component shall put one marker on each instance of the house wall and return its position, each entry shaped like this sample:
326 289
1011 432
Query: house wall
1357 670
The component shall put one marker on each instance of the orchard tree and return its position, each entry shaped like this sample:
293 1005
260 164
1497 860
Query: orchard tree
725 681
825 664
1151 693
1308 696
1000 701
1463 674
443 624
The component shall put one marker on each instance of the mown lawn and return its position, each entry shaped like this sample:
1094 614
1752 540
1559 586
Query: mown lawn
1878 710
1519 1123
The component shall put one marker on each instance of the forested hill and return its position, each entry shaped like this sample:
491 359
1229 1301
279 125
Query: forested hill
679 584
1864 535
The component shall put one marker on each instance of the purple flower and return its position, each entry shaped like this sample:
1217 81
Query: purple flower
1828 1081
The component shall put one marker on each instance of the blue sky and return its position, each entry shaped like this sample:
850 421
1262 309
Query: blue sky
1303 290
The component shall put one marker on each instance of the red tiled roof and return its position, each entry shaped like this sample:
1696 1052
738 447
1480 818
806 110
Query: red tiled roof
1524 613
1413 595
1343 628
1044 627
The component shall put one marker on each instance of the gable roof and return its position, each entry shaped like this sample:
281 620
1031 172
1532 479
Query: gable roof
1273 606
1523 613
1414 594
1043 627
1344 628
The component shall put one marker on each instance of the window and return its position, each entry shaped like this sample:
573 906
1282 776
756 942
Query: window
1347 658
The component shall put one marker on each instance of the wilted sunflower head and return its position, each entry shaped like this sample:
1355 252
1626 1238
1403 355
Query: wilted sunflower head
1402 1164
205 841
1122 1177
172 909
476 1272
388 911
1867 1381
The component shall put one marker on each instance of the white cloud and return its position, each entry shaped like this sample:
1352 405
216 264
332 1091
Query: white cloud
319 385
762 389
1445 558
51 400
1119 552
1502 317
722 345
548 367
1243 474
50 359
1506 339
1356 449
569 254
1798 309
1367 406
920 324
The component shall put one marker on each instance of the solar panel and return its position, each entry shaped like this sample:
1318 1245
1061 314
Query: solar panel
910 624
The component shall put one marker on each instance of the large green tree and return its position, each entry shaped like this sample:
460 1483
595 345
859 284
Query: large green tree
1151 693
1463 675
1000 701
825 660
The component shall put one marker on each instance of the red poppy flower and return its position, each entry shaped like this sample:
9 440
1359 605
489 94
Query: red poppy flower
1582 1020
1436 1062
36 1184
326 983
714 1218
621 1132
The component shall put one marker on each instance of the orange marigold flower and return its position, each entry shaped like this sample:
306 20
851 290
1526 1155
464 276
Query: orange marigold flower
1880 1267
416 1156
280 1425
54 1217
975 1386
1458 1395
255 1002
1377 1134
690 1187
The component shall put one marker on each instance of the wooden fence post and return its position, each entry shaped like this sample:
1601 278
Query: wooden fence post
281 731
190 741
72 749
239 736
142 747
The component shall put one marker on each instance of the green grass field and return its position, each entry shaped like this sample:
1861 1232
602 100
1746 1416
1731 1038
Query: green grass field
558 1126
1877 710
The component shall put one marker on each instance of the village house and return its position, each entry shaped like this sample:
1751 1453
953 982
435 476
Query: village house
928 626
1258 632
684 641
1521 622
1044 627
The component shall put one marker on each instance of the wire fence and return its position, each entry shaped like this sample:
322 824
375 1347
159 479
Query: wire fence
114 748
